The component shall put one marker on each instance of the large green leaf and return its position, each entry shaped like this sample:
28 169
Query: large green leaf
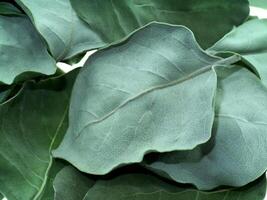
250 41
32 124
113 20
137 98
22 52
236 154
65 34
143 187
259 3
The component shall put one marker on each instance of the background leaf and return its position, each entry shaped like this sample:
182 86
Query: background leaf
137 98
65 34
236 153
143 187
39 112
258 3
66 182
3 95
9 9
250 41
113 20
48 192
18 43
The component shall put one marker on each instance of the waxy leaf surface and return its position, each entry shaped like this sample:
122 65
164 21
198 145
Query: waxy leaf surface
153 92
113 20
236 153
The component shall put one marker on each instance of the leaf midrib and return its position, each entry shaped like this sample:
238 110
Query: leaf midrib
223 62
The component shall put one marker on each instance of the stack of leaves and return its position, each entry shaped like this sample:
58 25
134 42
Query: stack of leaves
172 106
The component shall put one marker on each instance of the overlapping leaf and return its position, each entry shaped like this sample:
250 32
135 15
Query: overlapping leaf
143 187
22 52
48 192
119 18
154 92
31 125
236 154
65 34
250 41
66 182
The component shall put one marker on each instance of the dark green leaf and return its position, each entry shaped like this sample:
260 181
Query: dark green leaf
250 41
65 34
32 124
9 9
236 154
136 97
48 192
3 95
22 50
209 20
143 187
70 184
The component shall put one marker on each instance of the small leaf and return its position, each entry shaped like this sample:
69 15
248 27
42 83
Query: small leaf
22 52
143 187
236 153
250 41
32 124
153 92
113 20
65 34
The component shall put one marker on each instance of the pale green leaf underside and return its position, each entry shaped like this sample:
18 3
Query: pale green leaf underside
31 125
138 97
142 187
22 52
250 41
236 154
259 3
119 18
65 34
